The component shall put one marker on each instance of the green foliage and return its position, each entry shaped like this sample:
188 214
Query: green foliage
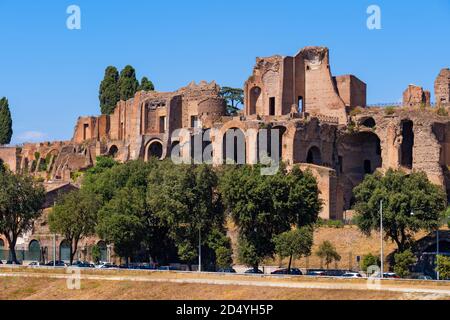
234 98
224 257
328 253
75 216
402 195
185 199
21 201
356 111
146 85
389 111
443 267
6 131
369 260
128 85
294 244
265 206
403 262
96 254
109 90
337 224
442 112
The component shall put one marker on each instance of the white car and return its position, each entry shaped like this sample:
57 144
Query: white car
351 275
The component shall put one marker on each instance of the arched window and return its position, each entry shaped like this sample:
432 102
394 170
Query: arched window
113 151
34 249
407 147
234 147
64 251
369 123
314 156
154 150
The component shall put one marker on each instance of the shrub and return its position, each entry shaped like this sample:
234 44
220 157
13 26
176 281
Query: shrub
389 111
368 261
403 263
355 112
442 112
338 224
443 267
224 257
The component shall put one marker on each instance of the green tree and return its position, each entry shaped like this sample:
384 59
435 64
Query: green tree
410 203
234 98
75 216
146 85
122 221
96 254
6 131
328 253
369 260
185 199
109 90
443 267
403 262
294 244
265 206
224 257
128 84
21 201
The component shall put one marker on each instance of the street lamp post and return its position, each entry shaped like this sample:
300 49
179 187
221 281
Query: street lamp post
437 252
199 250
381 239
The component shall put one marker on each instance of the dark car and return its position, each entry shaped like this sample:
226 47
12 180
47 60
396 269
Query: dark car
316 273
254 271
56 264
83 264
167 268
17 263
335 273
293 271
390 275
226 270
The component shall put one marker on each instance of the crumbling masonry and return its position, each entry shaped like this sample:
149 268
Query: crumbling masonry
323 119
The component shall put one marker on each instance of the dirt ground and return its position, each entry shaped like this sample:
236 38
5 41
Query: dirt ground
55 289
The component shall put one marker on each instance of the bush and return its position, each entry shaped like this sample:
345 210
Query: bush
443 267
442 112
96 254
368 261
224 257
355 112
389 111
403 263
338 224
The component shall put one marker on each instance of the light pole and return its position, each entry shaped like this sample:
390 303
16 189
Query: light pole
199 249
381 239
437 253
54 250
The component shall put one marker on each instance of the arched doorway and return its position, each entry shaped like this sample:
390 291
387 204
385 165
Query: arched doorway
154 150
369 123
34 251
113 151
103 251
255 99
314 156
234 147
407 147
64 251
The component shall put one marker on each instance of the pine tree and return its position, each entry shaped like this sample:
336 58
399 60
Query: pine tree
5 122
128 84
146 85
109 90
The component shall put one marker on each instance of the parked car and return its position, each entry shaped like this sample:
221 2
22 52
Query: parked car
293 271
390 275
35 264
106 266
423 277
352 275
226 270
254 271
17 263
57 264
316 273
83 264
167 268
335 273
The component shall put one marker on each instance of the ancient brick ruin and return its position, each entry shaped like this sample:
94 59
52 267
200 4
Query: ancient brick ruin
324 123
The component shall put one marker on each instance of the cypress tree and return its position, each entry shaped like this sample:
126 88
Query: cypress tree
109 90
128 83
146 85
5 122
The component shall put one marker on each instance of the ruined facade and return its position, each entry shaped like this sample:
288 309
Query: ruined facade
442 88
322 121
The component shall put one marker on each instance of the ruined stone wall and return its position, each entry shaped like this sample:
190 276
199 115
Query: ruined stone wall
8 155
415 96
442 88
352 91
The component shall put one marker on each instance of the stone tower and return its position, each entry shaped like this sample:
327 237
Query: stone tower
442 88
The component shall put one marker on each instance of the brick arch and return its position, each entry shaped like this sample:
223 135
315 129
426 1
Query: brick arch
148 147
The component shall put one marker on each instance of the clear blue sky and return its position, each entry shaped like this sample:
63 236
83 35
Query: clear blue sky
51 74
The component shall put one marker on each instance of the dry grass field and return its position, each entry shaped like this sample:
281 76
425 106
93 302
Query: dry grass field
43 284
